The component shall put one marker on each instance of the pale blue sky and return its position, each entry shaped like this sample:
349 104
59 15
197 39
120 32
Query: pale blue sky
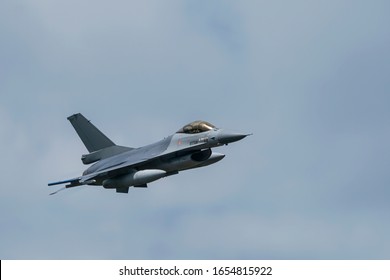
310 79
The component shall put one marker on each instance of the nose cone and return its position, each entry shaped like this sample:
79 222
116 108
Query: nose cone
225 137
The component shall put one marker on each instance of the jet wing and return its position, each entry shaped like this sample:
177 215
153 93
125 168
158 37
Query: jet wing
130 164
72 182
112 171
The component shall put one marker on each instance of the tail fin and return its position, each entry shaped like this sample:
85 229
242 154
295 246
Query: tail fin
92 137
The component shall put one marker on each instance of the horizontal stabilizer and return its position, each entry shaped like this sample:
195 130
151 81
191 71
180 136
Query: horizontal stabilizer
104 153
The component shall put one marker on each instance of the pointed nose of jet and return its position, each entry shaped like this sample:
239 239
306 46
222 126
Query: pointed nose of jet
225 137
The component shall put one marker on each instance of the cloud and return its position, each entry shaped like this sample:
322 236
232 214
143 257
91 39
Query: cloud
308 79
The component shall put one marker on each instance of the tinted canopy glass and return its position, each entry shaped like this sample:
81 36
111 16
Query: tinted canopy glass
196 127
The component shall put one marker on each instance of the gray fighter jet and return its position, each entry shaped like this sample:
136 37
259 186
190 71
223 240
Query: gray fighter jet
119 167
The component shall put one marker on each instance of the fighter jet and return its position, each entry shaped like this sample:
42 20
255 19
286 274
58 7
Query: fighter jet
118 167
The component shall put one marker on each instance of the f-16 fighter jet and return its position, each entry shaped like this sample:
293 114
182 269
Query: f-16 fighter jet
118 167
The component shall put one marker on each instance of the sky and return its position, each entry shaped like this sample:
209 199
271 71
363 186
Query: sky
309 79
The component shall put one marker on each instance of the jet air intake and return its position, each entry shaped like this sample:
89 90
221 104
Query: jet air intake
201 155
134 178
194 160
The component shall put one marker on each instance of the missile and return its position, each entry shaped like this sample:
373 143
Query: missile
134 178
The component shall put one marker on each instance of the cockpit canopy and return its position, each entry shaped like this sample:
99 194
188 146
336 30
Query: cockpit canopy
196 127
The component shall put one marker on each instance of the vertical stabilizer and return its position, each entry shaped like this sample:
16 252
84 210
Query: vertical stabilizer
92 137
